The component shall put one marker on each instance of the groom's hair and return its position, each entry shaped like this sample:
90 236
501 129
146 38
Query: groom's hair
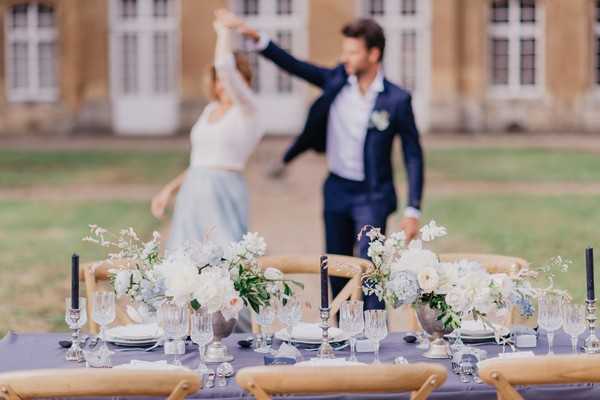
368 30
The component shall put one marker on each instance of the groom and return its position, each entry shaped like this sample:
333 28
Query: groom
354 122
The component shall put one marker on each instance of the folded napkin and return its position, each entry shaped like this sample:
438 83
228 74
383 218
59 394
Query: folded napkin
327 362
136 331
149 365
285 350
312 331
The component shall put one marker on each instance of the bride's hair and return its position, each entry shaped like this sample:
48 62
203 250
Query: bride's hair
242 63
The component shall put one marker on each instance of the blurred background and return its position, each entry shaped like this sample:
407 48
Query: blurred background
98 97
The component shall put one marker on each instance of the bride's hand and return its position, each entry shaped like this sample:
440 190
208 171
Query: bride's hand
159 203
232 21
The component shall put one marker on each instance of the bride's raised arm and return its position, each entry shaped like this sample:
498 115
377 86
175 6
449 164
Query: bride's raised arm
233 82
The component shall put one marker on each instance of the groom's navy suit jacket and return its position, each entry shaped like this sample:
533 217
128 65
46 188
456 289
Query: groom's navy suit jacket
378 144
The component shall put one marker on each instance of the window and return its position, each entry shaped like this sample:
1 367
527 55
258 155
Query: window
249 7
597 34
284 7
376 7
284 80
515 46
31 53
408 7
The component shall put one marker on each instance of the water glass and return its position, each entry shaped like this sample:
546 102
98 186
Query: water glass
352 322
376 329
550 316
574 322
103 312
202 334
174 319
265 319
290 314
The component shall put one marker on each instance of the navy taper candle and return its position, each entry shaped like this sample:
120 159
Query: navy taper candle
324 282
589 269
75 281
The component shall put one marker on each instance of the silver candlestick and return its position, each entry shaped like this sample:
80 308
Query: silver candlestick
592 343
75 353
325 350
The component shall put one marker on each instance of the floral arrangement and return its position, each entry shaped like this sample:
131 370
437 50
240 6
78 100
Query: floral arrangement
412 274
135 262
201 273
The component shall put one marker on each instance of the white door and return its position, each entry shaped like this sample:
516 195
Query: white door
144 43
407 26
282 99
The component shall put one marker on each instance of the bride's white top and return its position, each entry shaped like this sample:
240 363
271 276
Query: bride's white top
228 142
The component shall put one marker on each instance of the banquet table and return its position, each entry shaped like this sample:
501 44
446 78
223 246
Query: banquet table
25 351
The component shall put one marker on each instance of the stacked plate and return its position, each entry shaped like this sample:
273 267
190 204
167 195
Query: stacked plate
134 335
310 334
478 332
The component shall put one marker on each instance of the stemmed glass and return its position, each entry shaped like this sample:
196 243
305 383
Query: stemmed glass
265 319
104 312
174 319
376 329
574 322
352 322
290 313
202 334
550 316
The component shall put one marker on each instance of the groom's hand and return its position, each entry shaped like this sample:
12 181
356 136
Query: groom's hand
276 170
232 21
410 226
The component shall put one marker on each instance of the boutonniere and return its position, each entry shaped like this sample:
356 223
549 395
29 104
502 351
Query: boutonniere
380 120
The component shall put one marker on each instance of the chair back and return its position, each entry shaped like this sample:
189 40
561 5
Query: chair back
504 374
305 268
264 382
81 382
95 276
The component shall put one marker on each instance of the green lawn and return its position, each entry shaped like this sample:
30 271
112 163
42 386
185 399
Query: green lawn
36 241
29 168
508 164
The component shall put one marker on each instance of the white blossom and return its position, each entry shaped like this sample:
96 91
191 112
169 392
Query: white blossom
432 231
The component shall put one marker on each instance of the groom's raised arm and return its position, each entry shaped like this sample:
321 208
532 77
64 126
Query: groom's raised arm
311 73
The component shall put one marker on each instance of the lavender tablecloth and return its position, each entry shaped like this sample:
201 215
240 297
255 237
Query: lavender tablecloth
19 351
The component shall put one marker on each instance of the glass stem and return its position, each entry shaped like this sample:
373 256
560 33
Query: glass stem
377 351
574 343
352 348
201 348
550 342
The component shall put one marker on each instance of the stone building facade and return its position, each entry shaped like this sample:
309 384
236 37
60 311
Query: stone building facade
136 67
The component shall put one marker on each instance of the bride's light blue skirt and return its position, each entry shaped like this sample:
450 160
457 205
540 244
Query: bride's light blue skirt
212 204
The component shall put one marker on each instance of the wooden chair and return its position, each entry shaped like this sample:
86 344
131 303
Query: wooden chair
95 276
307 267
420 379
504 374
405 318
57 383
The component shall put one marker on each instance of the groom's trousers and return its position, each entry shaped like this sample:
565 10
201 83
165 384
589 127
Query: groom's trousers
348 207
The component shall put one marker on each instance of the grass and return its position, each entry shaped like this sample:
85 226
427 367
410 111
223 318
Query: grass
30 168
516 165
36 241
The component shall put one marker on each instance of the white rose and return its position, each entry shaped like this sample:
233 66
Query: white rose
273 274
428 279
415 260
122 281
483 301
504 284
456 299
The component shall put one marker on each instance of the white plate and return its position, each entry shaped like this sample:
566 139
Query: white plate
135 332
283 336
306 332
477 329
136 343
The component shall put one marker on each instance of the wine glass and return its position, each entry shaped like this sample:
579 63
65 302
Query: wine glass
574 322
174 319
265 319
352 322
290 313
202 334
550 316
103 312
376 329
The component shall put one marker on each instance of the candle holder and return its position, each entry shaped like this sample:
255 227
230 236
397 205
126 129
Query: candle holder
75 319
325 350
592 343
